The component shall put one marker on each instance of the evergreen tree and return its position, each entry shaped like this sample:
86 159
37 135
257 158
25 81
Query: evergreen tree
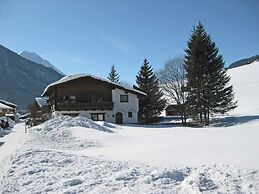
153 103
209 91
113 75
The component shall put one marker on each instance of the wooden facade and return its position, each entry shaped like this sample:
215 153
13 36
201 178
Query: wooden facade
81 94
38 113
172 110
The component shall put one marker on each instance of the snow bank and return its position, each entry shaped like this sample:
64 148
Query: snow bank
9 144
57 133
66 122
90 134
10 121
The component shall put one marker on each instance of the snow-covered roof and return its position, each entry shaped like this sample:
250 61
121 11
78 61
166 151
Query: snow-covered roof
8 103
76 76
41 101
3 106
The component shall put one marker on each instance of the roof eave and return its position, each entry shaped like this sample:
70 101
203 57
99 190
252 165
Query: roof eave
50 86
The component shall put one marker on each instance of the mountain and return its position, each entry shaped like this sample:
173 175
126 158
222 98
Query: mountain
38 59
21 80
245 81
244 61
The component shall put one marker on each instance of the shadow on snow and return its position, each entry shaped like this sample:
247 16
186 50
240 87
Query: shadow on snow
233 120
216 122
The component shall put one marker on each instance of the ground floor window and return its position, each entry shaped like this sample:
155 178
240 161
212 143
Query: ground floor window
98 116
130 114
71 114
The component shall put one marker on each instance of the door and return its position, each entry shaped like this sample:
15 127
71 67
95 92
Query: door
119 118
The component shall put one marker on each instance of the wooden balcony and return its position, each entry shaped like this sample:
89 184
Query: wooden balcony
81 106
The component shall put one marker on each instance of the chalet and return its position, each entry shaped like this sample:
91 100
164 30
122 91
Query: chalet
5 109
39 110
93 97
9 104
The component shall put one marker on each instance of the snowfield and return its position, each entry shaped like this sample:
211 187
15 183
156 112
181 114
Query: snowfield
169 146
245 81
77 155
54 159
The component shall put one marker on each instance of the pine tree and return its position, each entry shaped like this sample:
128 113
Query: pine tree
152 105
209 91
113 75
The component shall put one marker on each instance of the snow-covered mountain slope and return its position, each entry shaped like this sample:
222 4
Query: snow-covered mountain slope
38 59
245 80
244 61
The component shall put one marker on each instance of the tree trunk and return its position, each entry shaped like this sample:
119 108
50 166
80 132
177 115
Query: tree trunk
205 117
180 110
185 119
208 116
201 117
182 118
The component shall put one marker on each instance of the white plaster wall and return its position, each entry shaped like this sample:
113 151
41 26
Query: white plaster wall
87 114
124 107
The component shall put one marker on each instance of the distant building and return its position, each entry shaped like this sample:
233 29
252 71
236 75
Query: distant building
39 110
8 109
10 104
93 97
171 108
4 109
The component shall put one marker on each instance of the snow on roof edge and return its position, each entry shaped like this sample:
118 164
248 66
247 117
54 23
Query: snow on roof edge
41 101
8 103
76 76
4 106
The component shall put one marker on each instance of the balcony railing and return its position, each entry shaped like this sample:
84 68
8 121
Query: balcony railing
81 106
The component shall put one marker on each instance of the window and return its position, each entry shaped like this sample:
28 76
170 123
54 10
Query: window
130 114
98 116
65 98
124 98
72 98
71 114
97 99
69 98
94 117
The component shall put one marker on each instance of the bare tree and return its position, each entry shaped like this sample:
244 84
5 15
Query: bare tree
172 81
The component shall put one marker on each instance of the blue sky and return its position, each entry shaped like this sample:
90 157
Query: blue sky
88 36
